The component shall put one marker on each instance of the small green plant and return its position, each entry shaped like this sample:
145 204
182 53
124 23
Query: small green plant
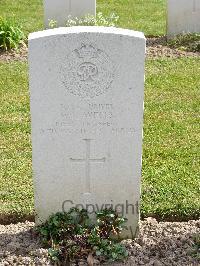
195 252
89 20
72 236
11 35
186 42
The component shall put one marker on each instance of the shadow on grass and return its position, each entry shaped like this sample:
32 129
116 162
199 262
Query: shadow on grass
169 216
173 216
13 218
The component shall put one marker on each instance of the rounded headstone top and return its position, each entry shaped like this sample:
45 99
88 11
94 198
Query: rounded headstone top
86 29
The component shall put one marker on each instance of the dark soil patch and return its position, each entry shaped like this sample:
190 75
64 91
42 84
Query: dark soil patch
158 48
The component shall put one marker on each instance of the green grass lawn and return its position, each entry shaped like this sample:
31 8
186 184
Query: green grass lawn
171 159
171 182
148 16
15 149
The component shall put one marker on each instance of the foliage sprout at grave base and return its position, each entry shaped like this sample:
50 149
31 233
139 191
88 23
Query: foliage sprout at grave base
11 34
89 20
72 236
195 252
186 42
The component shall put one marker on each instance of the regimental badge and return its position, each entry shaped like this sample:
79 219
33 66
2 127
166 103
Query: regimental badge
88 72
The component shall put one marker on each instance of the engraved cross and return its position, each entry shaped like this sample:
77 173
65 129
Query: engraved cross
87 160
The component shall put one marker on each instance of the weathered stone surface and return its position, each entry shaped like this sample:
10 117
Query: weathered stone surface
183 16
87 86
59 10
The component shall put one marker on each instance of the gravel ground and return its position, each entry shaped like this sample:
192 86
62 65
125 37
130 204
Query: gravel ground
14 55
158 244
156 48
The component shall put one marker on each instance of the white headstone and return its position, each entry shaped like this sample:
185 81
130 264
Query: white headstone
183 16
59 10
87 86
